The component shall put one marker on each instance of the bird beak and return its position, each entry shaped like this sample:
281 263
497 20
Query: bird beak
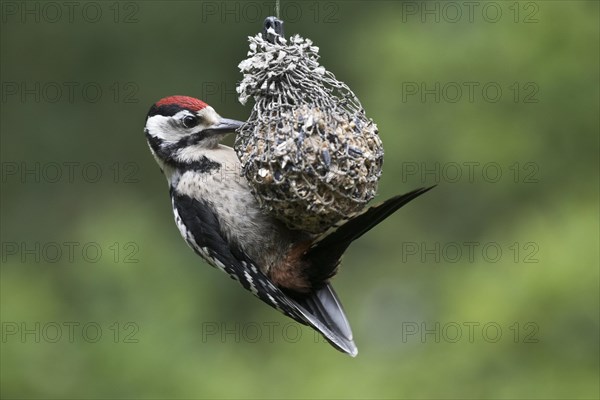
225 125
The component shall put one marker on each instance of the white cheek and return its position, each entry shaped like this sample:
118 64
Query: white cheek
159 126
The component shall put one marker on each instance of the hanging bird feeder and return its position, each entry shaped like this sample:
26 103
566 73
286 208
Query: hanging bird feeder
309 152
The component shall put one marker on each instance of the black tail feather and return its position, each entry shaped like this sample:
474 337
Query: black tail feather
327 251
325 314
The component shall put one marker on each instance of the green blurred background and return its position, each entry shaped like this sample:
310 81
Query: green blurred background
487 287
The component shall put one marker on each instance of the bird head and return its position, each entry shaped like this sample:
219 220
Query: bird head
180 123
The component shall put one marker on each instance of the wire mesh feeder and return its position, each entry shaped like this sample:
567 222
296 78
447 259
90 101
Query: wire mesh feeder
309 152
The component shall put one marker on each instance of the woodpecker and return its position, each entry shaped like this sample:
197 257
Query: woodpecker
218 217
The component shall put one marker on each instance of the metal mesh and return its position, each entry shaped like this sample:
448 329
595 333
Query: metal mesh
308 150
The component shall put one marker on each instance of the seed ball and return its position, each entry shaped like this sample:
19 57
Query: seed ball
309 167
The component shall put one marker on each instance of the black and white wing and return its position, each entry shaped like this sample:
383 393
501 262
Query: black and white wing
321 310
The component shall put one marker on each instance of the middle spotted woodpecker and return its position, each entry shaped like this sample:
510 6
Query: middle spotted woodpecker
219 218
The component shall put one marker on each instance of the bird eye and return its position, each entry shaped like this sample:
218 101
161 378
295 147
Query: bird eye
189 121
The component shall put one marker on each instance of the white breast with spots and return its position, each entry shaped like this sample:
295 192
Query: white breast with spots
259 235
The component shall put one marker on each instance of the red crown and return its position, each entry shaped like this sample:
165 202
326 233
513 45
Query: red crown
184 101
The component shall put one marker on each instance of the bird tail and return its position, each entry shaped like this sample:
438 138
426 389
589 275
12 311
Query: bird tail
322 308
326 250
